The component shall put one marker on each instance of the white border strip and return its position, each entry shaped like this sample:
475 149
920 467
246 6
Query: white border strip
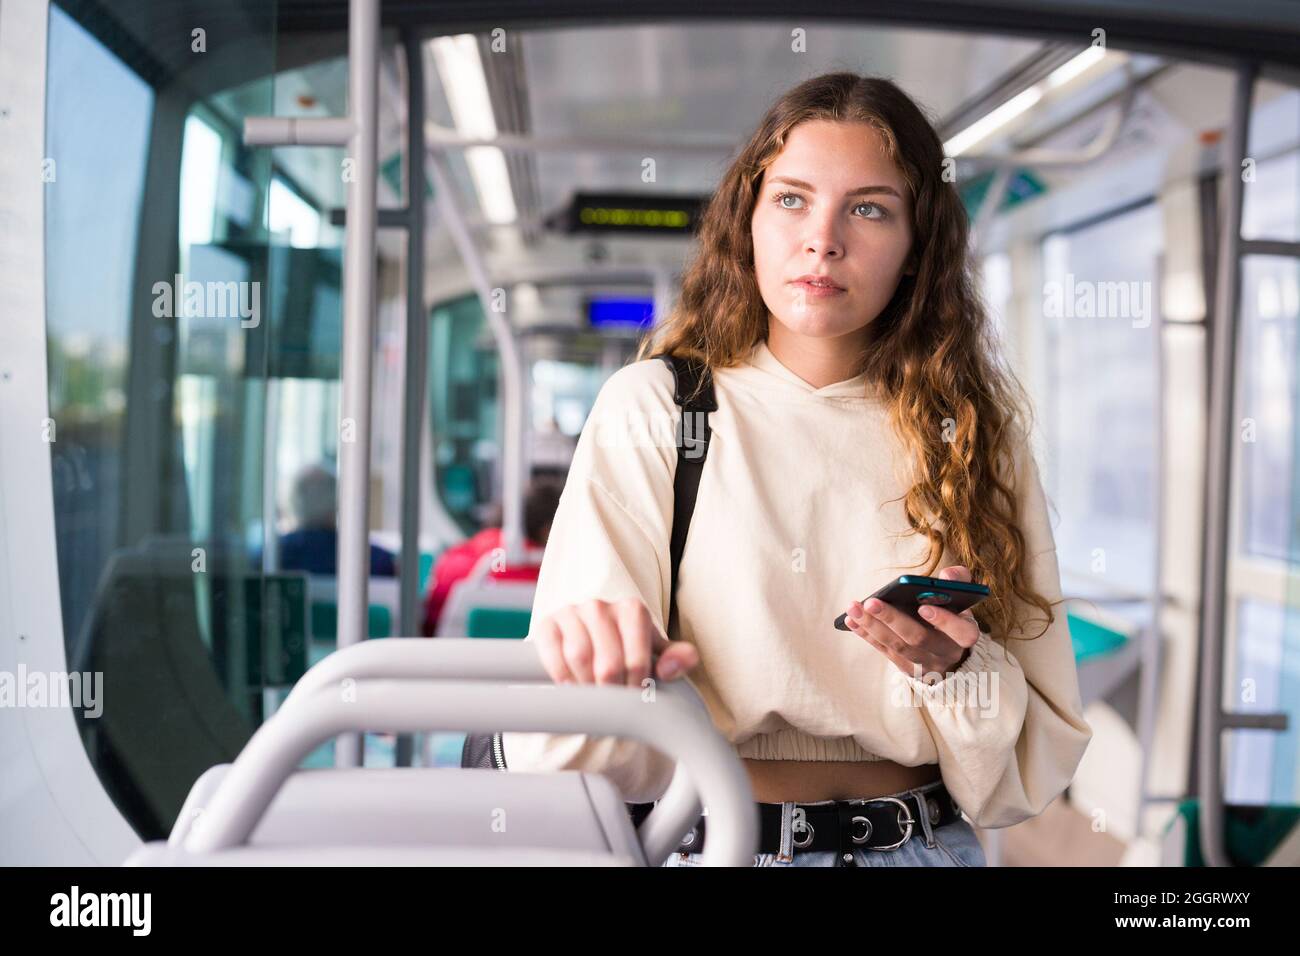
53 809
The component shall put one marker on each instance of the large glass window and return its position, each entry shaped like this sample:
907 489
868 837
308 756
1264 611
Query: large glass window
99 116
1270 307
1263 653
463 369
1271 207
1264 677
156 256
292 217
1101 313
995 286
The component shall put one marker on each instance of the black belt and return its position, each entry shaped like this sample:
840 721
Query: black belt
876 823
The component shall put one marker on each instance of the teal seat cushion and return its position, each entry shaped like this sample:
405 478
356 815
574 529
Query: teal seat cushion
426 565
1092 640
497 622
325 621
1253 832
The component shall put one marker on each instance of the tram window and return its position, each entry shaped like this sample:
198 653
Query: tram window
996 287
158 462
307 432
200 171
98 109
463 420
1263 640
1271 206
1272 201
1270 309
1261 764
1099 307
563 394
293 219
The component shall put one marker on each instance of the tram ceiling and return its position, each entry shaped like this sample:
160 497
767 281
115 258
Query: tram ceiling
146 34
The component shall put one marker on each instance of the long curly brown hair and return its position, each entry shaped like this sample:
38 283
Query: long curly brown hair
933 357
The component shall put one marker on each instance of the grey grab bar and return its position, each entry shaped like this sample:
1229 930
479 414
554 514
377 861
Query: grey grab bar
406 685
499 660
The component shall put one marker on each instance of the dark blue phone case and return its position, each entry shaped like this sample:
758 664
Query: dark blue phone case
909 592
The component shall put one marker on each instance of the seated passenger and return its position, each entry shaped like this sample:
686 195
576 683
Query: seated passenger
313 544
455 564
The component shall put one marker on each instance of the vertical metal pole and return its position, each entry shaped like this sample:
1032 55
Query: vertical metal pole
270 499
1220 436
513 375
358 338
415 386
1152 635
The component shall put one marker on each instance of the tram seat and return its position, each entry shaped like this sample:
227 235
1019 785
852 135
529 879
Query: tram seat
1255 835
442 807
168 687
264 810
1092 640
1105 657
480 590
498 622
160 854
323 591
482 622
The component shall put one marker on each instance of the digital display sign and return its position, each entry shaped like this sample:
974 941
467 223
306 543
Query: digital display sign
622 313
641 214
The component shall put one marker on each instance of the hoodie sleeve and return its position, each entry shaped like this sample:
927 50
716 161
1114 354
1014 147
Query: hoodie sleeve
609 540
1008 724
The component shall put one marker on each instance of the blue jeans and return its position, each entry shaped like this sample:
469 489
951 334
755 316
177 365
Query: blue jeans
954 844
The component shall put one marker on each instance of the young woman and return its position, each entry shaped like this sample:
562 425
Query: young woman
865 428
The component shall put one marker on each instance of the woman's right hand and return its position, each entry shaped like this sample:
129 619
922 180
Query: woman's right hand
604 642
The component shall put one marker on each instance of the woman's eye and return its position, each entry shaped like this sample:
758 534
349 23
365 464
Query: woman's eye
795 201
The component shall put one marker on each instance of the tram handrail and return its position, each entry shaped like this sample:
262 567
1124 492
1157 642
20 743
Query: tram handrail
432 666
403 706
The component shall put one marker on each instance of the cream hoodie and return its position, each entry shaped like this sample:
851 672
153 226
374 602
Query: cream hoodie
799 513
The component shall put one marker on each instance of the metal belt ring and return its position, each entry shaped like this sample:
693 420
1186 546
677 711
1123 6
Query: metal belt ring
808 841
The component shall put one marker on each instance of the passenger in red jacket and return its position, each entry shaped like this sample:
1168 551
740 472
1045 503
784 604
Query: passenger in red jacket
455 564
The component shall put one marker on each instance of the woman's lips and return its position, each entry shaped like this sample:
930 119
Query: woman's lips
817 291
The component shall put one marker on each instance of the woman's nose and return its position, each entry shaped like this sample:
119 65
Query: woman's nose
824 246
823 240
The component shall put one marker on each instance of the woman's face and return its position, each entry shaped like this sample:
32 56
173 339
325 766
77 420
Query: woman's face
831 204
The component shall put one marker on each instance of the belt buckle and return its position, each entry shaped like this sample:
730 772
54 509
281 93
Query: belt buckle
903 809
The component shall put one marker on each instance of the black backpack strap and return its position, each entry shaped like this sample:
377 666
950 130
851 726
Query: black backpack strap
693 393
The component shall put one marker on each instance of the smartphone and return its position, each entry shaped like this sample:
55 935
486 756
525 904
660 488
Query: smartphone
910 591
